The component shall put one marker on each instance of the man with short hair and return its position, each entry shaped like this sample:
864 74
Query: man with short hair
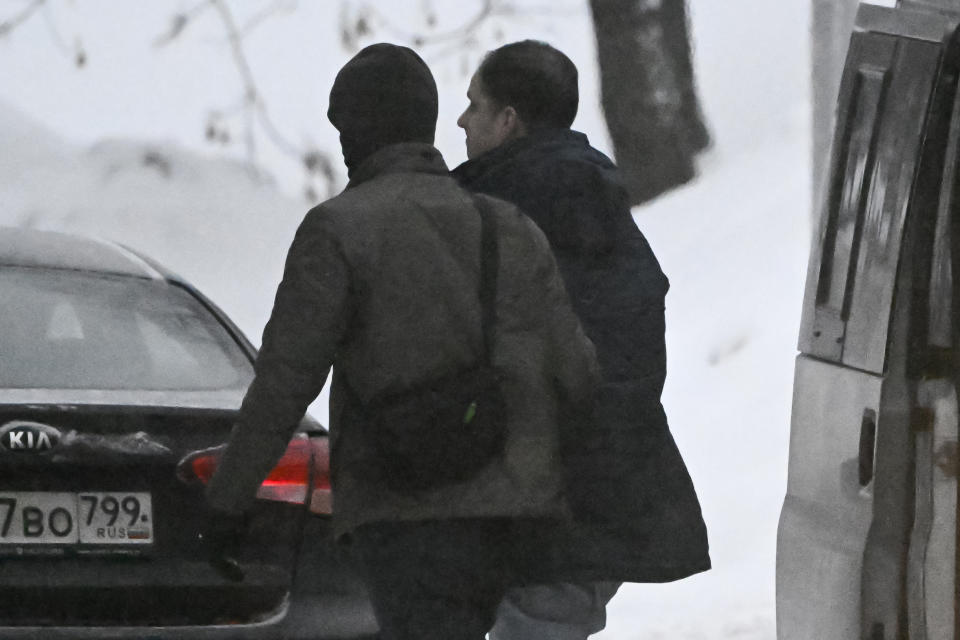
637 514
382 282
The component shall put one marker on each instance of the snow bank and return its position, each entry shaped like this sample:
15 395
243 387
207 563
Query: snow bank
221 225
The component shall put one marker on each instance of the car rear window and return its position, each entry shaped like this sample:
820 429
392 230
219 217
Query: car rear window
71 330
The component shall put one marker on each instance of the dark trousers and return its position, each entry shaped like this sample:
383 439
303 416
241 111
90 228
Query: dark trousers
437 579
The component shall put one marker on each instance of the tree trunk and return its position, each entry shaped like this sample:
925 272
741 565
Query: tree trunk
648 93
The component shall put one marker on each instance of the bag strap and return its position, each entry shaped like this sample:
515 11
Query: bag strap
489 266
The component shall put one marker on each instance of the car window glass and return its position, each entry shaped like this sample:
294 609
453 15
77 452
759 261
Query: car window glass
61 329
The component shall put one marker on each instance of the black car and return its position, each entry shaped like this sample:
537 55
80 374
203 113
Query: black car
118 381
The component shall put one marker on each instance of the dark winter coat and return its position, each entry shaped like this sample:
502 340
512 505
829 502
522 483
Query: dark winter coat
382 282
638 515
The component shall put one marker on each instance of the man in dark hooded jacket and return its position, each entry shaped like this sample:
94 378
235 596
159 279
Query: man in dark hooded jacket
382 282
638 518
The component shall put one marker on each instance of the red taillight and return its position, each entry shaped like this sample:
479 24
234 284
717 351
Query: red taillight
306 462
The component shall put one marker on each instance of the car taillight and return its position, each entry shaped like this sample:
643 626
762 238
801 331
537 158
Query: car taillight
302 472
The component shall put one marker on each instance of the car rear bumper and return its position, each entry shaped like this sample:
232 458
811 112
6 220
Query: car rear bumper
327 618
328 601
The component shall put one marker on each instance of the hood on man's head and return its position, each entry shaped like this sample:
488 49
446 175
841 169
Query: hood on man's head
384 95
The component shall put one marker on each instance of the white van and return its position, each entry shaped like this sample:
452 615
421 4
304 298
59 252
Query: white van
868 532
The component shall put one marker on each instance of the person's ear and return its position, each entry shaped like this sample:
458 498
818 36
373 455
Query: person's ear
513 126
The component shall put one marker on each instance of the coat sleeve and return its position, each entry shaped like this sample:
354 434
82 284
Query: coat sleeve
308 321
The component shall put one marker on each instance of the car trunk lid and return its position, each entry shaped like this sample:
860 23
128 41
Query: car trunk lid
96 528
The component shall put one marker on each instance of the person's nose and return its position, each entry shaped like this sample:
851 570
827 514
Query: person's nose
461 121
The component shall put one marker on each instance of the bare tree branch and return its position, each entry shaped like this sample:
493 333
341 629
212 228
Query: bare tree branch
252 107
489 9
179 22
250 92
57 38
9 25
278 7
17 19
465 31
545 10
441 45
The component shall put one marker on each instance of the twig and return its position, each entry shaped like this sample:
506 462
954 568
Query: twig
16 20
273 133
251 106
462 32
251 95
55 34
180 22
254 108
278 7
546 10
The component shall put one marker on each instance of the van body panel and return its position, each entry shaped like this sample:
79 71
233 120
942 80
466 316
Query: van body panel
827 513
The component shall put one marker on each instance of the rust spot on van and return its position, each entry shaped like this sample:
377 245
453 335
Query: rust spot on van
947 458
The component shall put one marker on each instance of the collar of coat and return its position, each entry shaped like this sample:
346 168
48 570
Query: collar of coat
406 157
547 142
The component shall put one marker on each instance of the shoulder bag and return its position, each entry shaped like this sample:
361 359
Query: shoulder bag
445 430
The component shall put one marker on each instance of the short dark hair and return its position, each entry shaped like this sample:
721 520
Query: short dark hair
537 80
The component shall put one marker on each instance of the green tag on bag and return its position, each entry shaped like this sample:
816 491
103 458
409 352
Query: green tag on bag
471 413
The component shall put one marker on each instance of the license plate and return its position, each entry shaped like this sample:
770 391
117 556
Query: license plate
40 517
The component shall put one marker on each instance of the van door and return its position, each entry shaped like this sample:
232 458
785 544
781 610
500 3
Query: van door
932 559
846 524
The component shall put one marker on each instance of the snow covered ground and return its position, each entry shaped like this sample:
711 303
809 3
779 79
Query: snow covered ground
734 246
118 153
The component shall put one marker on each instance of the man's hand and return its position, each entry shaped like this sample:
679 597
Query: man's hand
221 535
